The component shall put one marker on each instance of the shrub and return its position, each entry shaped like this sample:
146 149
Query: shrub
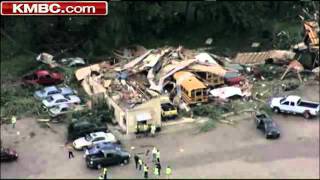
213 112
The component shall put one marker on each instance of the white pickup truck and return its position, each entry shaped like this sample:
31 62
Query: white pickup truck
294 104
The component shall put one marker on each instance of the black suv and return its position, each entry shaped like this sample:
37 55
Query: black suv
108 157
80 128
8 155
267 126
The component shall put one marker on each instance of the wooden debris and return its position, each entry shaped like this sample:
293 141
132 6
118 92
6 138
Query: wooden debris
43 120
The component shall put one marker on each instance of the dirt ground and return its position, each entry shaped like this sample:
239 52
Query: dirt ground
238 151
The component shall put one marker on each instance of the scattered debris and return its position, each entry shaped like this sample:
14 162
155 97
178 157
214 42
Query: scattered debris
294 66
76 61
255 44
316 71
209 41
133 87
206 59
262 57
226 92
47 59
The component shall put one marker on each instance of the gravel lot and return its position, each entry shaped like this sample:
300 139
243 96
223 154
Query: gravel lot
238 151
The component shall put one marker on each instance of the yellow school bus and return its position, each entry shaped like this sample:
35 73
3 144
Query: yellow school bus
192 89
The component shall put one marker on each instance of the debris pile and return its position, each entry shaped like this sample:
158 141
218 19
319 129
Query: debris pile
48 59
141 74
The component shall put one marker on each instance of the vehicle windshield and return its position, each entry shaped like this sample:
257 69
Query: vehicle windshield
49 99
299 101
282 100
67 97
55 108
88 137
270 124
42 91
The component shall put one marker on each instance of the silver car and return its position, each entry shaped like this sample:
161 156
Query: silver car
51 90
60 109
58 99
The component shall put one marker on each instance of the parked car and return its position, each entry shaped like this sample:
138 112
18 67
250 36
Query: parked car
60 109
108 157
8 154
266 124
294 105
58 99
93 138
233 78
168 111
81 128
43 77
51 90
95 149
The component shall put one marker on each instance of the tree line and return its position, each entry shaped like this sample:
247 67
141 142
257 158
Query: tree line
134 22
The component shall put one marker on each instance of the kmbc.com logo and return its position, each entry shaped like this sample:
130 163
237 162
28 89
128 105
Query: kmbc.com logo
18 8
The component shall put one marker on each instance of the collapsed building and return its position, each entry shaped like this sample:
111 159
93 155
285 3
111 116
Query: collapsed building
134 86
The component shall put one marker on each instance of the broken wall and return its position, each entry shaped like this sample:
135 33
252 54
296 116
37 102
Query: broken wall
119 113
152 106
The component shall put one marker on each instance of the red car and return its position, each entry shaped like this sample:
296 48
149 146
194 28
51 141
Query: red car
43 77
233 78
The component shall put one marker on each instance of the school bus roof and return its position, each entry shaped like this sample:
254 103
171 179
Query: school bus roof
188 80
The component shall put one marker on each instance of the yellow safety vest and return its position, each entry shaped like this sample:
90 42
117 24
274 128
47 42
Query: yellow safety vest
145 127
140 161
105 171
13 119
154 150
158 154
168 171
145 169
156 171
153 129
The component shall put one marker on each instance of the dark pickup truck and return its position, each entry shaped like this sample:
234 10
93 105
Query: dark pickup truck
267 126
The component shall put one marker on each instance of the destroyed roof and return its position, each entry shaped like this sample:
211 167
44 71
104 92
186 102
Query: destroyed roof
310 27
261 57
188 80
214 69
86 71
140 74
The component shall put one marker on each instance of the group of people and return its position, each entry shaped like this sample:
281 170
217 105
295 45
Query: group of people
146 129
140 165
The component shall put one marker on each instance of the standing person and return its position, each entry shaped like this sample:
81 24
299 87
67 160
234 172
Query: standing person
147 152
156 171
136 159
70 153
158 156
13 121
145 170
105 173
146 130
158 165
168 171
140 164
154 154
153 130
